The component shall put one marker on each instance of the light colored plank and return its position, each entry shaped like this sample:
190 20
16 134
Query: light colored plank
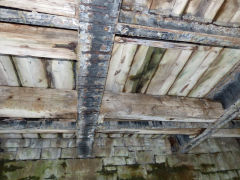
37 103
141 59
234 133
40 131
8 76
31 71
204 10
61 73
58 7
26 40
150 69
227 13
168 7
137 5
236 18
119 68
158 108
197 65
157 43
221 66
170 66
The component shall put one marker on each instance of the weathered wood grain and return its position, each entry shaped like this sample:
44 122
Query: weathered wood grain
122 57
26 40
61 74
31 71
221 66
8 76
37 103
38 19
170 66
59 7
159 108
176 35
141 59
199 63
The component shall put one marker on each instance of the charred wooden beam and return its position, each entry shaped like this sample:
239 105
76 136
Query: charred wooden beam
37 126
37 19
159 108
26 40
159 28
37 103
96 37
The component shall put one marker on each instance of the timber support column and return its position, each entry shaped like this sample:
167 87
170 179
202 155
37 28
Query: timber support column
96 36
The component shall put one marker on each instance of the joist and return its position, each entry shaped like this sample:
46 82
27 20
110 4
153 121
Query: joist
159 108
37 19
59 7
26 40
176 35
37 103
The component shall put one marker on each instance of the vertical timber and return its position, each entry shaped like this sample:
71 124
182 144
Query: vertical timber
97 20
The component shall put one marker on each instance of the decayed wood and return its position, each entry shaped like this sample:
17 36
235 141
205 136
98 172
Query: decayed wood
39 19
155 43
231 113
194 69
122 57
137 5
26 40
149 70
221 66
176 35
8 76
59 7
31 71
168 70
141 59
61 74
37 103
159 108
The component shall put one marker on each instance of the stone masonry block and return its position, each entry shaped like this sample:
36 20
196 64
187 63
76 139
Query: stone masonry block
28 153
51 153
69 153
15 143
30 136
117 161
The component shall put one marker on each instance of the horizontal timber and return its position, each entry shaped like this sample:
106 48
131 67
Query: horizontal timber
38 103
24 40
37 19
126 106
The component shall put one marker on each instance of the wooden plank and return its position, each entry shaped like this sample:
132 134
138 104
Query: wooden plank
231 113
26 40
233 133
170 66
221 66
8 76
137 5
155 43
58 7
122 57
204 10
159 108
37 103
61 74
31 71
229 13
149 70
176 35
141 59
197 65
168 7
37 19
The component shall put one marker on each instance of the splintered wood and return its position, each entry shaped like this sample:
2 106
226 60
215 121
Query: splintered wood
172 70
222 12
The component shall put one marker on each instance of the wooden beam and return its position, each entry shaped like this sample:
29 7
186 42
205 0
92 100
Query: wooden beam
160 28
58 7
37 19
26 40
231 113
37 103
159 108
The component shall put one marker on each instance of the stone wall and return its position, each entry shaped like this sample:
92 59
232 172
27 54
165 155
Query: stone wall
53 156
